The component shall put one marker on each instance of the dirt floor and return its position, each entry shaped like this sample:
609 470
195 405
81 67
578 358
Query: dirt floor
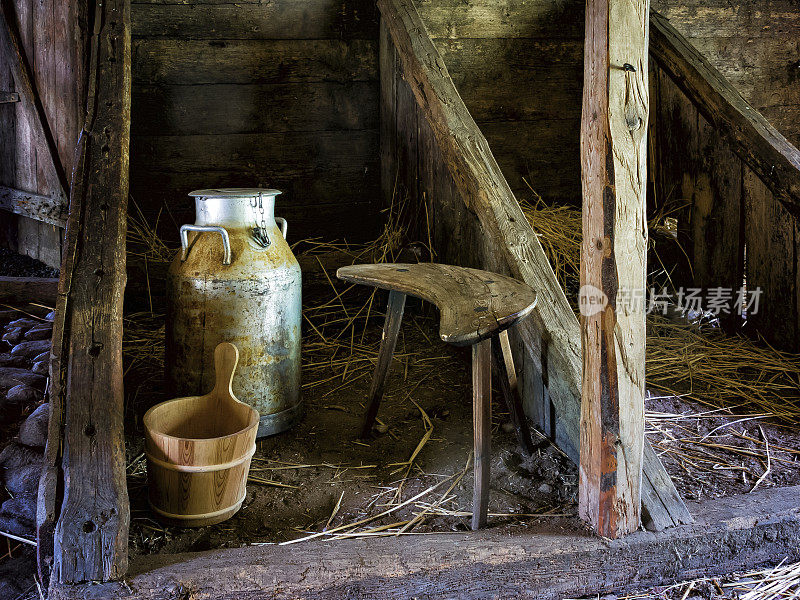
320 476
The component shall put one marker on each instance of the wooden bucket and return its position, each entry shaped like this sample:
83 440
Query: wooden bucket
199 449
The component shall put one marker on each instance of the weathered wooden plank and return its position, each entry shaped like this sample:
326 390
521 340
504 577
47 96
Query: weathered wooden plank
544 154
753 45
329 179
233 109
717 249
613 264
166 61
408 141
516 79
29 289
674 170
388 115
720 18
282 154
91 536
762 147
772 265
26 140
279 19
34 206
8 97
8 129
732 534
503 18
11 44
486 193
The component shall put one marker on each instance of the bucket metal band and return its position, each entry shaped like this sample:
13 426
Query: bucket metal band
279 421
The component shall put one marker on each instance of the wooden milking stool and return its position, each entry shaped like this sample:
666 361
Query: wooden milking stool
477 308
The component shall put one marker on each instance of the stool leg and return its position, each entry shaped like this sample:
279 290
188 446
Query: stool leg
482 428
391 327
504 362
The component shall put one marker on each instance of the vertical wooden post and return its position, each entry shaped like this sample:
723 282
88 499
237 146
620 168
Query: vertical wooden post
613 263
91 534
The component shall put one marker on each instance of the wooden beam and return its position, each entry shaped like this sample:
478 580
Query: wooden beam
613 264
732 534
42 290
762 147
85 446
481 185
47 209
11 46
9 97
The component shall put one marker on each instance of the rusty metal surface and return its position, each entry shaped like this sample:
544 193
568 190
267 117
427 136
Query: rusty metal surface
254 302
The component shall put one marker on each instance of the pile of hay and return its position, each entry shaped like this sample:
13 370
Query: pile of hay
684 358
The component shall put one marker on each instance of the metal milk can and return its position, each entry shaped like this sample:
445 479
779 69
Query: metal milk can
236 280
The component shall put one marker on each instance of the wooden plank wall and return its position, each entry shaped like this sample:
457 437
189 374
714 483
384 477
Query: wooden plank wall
731 226
518 65
755 44
53 43
281 93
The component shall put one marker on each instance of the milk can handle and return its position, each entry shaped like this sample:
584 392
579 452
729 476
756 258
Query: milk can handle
284 225
226 242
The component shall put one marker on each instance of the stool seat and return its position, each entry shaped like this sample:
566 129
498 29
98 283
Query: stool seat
474 304
476 308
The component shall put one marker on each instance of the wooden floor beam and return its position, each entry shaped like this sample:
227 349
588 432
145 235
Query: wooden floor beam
731 534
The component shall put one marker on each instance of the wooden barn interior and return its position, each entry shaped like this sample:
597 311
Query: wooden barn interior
549 310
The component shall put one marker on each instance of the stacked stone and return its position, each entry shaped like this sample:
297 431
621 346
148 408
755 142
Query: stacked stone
24 360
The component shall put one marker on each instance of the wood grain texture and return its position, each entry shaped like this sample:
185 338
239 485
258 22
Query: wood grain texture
29 289
52 35
289 95
474 305
31 101
674 164
754 45
279 19
503 18
170 61
613 265
522 85
478 221
772 265
388 116
717 248
732 534
481 430
254 108
91 535
46 209
757 142
199 450
510 388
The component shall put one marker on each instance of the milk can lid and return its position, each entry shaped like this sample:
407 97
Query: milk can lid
234 193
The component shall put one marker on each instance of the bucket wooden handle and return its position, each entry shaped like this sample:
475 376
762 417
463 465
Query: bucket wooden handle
226 356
